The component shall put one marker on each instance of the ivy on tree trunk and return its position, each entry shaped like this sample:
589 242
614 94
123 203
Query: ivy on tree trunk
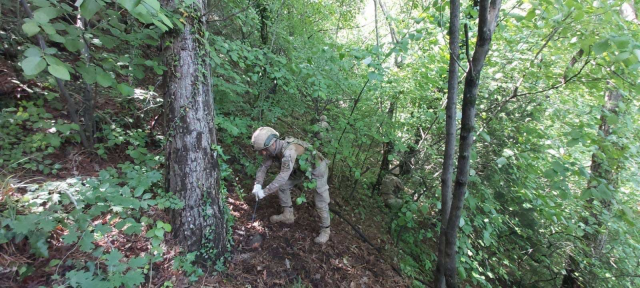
192 162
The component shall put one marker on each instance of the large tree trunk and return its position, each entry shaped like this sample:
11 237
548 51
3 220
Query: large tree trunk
487 20
450 140
192 164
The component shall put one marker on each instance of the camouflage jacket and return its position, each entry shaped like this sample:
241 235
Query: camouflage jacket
286 152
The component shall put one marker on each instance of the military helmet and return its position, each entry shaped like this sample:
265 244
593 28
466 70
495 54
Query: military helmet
263 137
323 118
395 171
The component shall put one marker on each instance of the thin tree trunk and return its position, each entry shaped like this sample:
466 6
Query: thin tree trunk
397 60
71 105
87 96
407 159
192 162
487 19
387 149
375 17
263 11
603 168
450 138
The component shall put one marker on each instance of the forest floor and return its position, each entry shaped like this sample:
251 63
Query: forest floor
286 256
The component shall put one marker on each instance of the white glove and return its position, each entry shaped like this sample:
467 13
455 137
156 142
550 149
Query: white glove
259 193
256 188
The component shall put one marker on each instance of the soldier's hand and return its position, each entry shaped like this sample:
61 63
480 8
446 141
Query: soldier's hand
256 188
259 193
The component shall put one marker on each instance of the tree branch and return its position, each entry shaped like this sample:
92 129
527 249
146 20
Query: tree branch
73 111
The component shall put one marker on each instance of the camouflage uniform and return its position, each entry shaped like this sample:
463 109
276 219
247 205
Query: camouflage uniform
323 127
286 152
391 192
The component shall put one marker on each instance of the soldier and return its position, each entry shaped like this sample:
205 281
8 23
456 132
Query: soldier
266 141
391 190
323 127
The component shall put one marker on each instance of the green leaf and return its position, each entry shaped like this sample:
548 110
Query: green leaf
85 242
57 38
129 4
137 262
43 15
33 52
113 258
134 228
72 44
165 20
87 73
33 65
88 8
53 60
601 47
51 50
71 237
138 191
636 52
133 278
30 28
573 142
530 14
54 262
301 199
103 78
501 161
622 56
59 71
125 90
40 3
153 4
424 209
485 136
103 229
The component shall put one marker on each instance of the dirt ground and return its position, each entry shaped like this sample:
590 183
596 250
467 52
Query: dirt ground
288 255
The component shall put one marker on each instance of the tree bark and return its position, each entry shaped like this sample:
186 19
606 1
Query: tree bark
387 149
487 20
397 60
450 140
192 171
263 11
87 96
406 163
603 169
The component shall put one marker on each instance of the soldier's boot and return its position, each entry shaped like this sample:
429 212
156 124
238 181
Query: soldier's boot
286 216
324 236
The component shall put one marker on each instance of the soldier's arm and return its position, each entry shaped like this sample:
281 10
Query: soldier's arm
288 161
262 171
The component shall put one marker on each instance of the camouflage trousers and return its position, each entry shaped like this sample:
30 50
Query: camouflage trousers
321 197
